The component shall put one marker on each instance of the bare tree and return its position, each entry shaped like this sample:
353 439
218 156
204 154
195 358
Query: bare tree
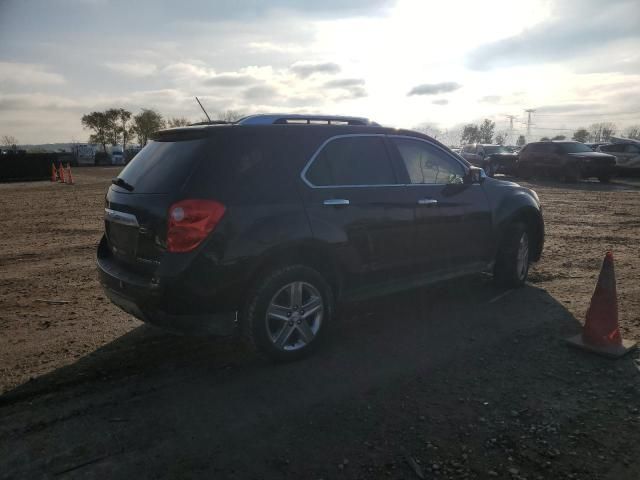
502 138
581 135
601 132
231 115
9 141
632 132
429 129
178 122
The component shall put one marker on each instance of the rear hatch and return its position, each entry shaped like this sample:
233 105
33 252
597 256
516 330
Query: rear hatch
138 201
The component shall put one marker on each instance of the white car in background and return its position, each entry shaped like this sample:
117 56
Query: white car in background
117 157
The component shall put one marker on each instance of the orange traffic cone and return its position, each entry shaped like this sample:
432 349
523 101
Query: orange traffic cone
69 177
54 173
601 333
61 173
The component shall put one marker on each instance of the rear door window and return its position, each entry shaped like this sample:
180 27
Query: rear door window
162 167
355 160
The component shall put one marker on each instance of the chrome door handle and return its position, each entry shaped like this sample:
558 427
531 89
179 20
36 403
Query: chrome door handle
336 202
427 201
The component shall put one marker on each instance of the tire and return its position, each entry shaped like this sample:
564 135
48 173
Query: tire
604 178
274 325
512 262
571 173
490 170
524 172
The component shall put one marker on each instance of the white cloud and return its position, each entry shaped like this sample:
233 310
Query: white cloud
138 70
28 74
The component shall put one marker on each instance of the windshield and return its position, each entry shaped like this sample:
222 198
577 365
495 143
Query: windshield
574 147
491 149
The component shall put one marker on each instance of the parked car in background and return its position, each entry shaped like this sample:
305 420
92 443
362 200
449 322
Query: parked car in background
261 227
595 146
117 156
568 161
492 158
627 155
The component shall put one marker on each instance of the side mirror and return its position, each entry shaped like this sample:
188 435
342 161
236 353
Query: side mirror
474 175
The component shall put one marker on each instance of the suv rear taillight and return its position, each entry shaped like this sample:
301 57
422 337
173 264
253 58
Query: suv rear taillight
190 221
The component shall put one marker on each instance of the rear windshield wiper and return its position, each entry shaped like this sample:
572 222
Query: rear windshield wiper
122 183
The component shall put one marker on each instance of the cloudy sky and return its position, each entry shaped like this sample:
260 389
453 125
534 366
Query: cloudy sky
399 62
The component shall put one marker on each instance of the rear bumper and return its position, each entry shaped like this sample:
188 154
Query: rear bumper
148 298
220 324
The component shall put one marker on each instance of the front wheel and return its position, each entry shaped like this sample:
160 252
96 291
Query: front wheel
490 169
571 173
287 312
512 262
604 178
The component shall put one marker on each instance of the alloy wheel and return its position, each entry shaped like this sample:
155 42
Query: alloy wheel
294 316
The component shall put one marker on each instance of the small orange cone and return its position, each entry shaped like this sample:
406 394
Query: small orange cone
601 333
54 173
61 173
69 177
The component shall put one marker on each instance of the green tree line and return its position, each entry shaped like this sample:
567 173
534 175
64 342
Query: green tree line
117 126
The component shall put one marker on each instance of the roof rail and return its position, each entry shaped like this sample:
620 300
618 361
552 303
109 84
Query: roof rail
280 119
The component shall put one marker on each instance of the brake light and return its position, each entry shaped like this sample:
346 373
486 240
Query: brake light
190 221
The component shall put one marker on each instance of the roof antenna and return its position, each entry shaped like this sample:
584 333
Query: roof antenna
205 112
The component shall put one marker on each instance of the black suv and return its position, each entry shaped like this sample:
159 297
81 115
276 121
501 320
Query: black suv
569 161
492 158
264 225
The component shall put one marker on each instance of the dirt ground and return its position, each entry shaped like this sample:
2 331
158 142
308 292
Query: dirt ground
457 381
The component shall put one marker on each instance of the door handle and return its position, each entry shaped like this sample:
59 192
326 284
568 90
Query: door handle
336 202
427 201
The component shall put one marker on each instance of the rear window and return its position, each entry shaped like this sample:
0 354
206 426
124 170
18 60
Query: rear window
162 167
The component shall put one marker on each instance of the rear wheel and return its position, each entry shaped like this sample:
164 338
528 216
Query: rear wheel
512 262
571 173
287 313
524 171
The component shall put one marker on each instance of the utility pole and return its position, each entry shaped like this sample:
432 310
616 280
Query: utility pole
511 118
529 112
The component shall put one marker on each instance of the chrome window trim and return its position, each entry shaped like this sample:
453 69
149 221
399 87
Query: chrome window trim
120 217
303 174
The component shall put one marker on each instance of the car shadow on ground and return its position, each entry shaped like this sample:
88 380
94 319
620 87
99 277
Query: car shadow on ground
154 404
360 329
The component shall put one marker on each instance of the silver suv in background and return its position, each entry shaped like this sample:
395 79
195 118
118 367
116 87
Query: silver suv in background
627 155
